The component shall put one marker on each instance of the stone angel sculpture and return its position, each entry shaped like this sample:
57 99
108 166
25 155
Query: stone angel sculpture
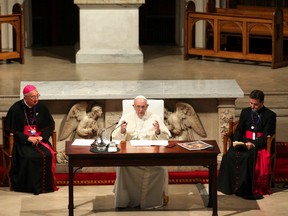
80 124
183 122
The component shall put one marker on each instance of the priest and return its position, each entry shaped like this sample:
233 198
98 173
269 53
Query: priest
241 172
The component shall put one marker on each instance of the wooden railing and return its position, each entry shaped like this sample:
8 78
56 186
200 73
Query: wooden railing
219 23
17 21
255 11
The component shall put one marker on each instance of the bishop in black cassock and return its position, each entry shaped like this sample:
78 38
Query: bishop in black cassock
33 161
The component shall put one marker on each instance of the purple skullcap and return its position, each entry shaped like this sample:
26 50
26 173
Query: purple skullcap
28 88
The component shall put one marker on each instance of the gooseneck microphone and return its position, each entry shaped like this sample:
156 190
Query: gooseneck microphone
101 134
124 122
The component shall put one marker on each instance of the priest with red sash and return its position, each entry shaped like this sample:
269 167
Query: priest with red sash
33 161
245 169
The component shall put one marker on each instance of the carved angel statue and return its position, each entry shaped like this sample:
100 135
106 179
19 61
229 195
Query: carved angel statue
183 122
79 123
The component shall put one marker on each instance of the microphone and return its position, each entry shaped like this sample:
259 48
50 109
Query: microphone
124 122
101 134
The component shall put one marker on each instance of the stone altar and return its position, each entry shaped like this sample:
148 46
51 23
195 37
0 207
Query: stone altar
109 31
213 100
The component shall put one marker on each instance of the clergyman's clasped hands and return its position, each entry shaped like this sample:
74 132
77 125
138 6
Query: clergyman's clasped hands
35 140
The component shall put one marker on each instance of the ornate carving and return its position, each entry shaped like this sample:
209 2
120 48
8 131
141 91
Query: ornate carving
224 116
81 124
183 122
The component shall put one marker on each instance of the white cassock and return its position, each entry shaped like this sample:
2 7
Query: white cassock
143 186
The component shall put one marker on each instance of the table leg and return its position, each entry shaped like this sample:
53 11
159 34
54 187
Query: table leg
71 195
213 189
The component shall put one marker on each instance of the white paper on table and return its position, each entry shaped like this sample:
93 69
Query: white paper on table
83 142
117 142
148 142
88 142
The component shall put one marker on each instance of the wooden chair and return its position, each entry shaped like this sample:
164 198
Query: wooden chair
271 148
8 144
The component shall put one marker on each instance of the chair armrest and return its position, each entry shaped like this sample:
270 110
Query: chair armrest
227 137
54 141
9 145
226 142
270 142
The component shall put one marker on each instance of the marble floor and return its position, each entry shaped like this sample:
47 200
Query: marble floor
161 62
185 200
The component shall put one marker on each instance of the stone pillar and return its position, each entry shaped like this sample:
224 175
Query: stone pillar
109 31
226 110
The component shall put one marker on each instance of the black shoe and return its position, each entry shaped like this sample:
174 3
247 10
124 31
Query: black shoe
253 197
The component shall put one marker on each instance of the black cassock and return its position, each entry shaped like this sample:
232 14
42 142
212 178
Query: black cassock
236 174
32 166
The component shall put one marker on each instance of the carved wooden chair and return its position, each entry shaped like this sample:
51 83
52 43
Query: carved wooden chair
271 148
8 145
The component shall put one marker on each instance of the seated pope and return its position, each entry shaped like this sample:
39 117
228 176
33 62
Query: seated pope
141 187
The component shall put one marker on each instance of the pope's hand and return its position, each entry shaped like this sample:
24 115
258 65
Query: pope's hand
123 127
156 127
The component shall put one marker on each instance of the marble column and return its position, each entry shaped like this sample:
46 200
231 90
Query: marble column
109 31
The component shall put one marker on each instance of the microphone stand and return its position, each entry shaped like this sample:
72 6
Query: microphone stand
112 145
95 143
124 122
101 146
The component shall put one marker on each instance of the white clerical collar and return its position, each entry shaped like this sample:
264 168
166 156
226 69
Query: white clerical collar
27 104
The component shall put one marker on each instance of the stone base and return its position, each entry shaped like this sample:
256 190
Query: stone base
109 56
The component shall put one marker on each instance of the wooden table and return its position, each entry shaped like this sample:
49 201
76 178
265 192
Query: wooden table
80 156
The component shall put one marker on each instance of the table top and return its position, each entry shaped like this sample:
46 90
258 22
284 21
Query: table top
126 148
128 155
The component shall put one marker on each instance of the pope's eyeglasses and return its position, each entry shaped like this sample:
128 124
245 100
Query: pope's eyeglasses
140 107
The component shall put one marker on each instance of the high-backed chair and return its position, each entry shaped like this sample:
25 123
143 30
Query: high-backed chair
155 106
8 145
271 148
